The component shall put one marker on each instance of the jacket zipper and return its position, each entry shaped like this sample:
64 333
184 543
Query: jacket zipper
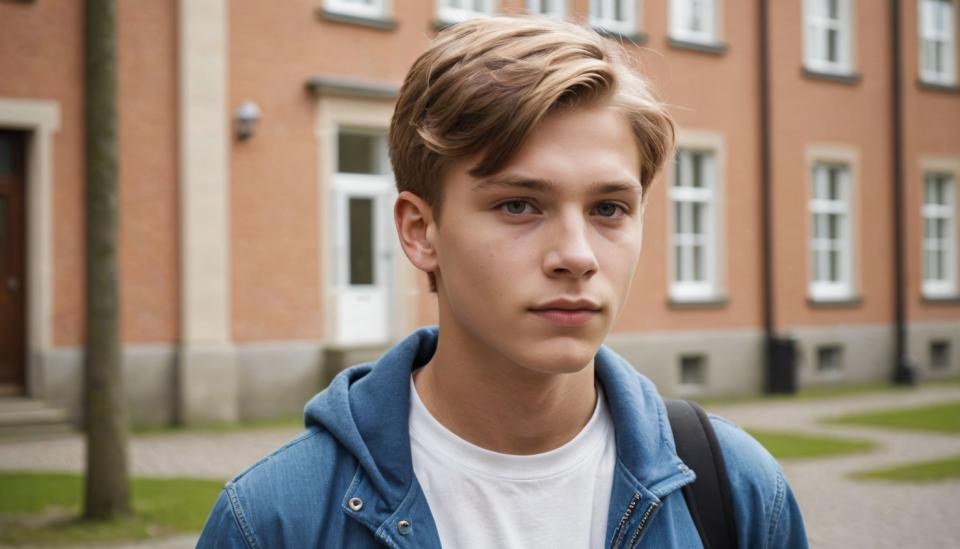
618 536
644 520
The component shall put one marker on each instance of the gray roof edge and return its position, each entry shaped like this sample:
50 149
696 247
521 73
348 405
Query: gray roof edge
332 85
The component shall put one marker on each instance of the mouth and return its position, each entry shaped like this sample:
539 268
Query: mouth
567 312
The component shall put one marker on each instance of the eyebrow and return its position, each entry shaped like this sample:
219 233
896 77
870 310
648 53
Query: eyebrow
544 185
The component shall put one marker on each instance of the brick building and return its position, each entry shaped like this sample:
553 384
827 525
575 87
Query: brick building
253 267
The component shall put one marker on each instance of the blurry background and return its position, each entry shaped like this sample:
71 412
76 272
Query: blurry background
256 248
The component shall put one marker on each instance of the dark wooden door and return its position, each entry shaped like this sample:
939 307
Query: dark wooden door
12 261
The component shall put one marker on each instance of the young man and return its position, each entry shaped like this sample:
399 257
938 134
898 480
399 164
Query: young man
523 150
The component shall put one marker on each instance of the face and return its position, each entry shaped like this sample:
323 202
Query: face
534 263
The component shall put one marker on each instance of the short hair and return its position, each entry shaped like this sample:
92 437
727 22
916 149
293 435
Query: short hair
484 84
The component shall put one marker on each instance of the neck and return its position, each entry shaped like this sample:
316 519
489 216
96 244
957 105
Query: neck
499 405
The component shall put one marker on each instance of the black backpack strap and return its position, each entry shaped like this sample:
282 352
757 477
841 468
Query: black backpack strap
708 498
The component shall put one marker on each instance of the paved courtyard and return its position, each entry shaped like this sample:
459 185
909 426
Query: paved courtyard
840 513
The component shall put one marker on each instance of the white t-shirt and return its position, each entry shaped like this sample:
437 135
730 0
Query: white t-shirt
482 499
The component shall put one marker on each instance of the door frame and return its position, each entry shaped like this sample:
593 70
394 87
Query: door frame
40 120
339 107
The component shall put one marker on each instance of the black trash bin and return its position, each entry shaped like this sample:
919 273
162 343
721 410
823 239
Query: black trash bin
782 366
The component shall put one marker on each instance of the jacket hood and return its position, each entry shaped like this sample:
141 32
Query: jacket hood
366 408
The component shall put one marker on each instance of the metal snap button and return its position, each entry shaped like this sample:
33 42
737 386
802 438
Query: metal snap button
404 527
355 504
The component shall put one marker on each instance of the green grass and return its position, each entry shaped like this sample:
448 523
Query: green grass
940 418
815 393
43 509
792 445
926 471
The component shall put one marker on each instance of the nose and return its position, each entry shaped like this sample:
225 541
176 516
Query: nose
570 253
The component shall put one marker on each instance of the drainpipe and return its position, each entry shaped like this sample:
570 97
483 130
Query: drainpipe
778 353
904 373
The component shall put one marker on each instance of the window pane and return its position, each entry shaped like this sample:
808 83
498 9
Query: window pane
692 370
697 160
834 266
678 217
834 191
833 9
361 153
833 227
697 218
7 147
833 54
698 262
361 241
678 263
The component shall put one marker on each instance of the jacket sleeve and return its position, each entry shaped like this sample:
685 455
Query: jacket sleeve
222 530
767 513
786 529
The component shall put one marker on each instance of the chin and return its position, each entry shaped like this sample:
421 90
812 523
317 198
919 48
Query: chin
559 356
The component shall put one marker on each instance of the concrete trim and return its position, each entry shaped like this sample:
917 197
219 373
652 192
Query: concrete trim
206 355
331 85
379 23
41 118
204 177
849 155
733 359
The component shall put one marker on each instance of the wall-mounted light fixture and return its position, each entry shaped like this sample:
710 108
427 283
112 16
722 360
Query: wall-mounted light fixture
245 119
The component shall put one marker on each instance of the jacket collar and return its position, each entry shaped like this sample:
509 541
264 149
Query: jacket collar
373 403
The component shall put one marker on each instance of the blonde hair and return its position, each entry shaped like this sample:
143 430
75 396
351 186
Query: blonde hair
484 84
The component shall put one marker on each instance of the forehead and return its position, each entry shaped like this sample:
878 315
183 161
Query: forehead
580 149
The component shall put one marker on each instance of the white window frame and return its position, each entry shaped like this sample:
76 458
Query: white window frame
929 13
817 25
946 212
821 207
376 9
602 15
539 7
682 10
453 11
683 285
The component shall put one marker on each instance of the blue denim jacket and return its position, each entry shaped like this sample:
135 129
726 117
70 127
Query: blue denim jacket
348 481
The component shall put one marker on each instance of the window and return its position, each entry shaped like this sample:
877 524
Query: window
830 241
359 8
939 235
693 371
828 36
693 20
829 360
939 355
550 8
693 197
619 16
938 42
454 11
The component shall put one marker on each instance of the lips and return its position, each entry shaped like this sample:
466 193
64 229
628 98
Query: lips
567 311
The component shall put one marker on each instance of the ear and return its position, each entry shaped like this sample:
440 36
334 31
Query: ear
417 231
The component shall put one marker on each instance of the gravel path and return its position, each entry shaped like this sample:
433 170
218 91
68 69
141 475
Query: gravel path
839 513
842 513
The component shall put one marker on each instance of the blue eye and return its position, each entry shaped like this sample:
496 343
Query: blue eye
515 207
609 209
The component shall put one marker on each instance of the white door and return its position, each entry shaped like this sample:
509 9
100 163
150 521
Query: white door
362 205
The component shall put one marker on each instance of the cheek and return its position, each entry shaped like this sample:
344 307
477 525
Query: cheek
483 265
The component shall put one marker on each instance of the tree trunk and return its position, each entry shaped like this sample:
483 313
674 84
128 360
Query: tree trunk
107 484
